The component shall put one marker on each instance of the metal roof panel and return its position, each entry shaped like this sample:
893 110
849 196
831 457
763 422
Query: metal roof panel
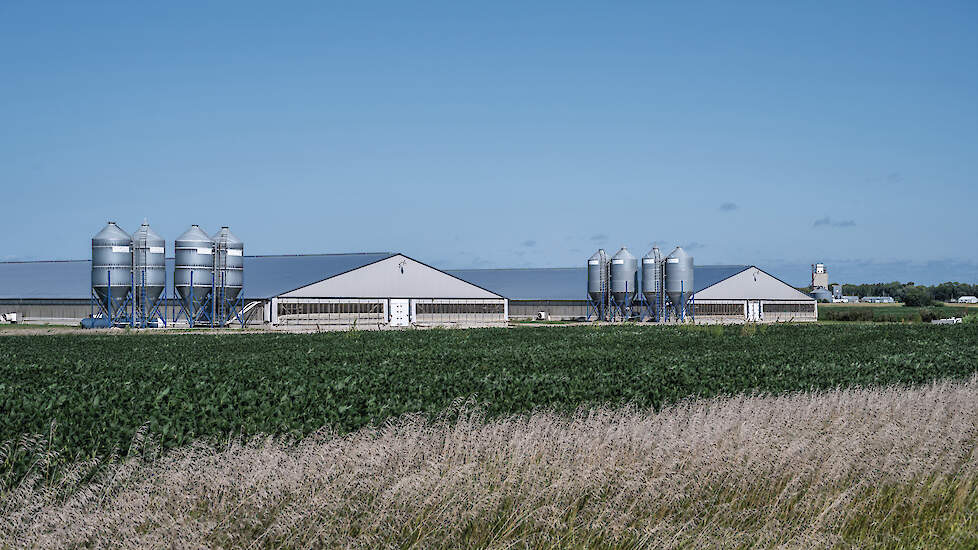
567 283
264 276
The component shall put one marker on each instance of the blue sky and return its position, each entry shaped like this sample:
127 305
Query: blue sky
502 134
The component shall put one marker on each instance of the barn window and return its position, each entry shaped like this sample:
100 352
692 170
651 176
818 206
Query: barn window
443 309
719 309
776 307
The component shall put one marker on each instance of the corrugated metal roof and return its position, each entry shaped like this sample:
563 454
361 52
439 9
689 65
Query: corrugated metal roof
69 279
264 276
267 276
529 284
568 283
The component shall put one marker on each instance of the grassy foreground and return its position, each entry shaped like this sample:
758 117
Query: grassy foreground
859 468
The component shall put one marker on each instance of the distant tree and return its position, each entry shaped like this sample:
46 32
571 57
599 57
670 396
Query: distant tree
917 297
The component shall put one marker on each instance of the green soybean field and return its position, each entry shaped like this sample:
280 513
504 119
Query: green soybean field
89 394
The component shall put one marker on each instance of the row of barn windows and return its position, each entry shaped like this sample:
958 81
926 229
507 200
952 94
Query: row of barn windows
775 307
734 310
719 309
314 308
442 309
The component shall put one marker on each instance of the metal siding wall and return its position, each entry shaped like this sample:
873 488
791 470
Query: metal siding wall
459 318
791 316
768 316
705 318
49 312
71 312
557 309
317 311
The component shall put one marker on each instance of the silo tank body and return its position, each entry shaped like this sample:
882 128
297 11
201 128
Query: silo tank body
111 264
624 276
149 261
652 275
194 261
597 276
230 262
679 279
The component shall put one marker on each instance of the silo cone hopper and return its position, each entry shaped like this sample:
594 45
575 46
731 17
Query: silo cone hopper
153 294
119 295
193 298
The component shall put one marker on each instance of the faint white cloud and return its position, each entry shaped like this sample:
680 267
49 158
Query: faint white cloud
829 222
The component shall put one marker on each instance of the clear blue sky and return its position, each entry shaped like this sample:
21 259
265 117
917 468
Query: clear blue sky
502 134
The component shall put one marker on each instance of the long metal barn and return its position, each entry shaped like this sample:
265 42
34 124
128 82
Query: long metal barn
374 289
722 294
317 290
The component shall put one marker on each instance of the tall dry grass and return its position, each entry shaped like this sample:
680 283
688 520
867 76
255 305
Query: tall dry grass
890 467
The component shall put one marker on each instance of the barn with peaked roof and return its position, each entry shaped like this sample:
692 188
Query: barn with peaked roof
380 288
723 293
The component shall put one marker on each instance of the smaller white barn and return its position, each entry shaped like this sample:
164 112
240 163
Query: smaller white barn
396 291
755 296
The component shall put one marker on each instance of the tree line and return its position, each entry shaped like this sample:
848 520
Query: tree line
910 293
899 291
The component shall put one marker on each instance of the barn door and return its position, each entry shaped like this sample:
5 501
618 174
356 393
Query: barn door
754 311
400 313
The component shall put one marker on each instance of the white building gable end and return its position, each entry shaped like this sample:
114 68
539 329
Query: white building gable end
751 284
394 277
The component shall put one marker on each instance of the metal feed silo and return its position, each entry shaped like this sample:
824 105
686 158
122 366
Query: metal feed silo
598 284
598 276
149 270
229 266
679 280
652 276
111 268
193 269
624 277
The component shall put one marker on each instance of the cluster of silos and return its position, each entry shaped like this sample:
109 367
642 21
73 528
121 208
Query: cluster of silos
616 292
129 277
208 275
612 284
